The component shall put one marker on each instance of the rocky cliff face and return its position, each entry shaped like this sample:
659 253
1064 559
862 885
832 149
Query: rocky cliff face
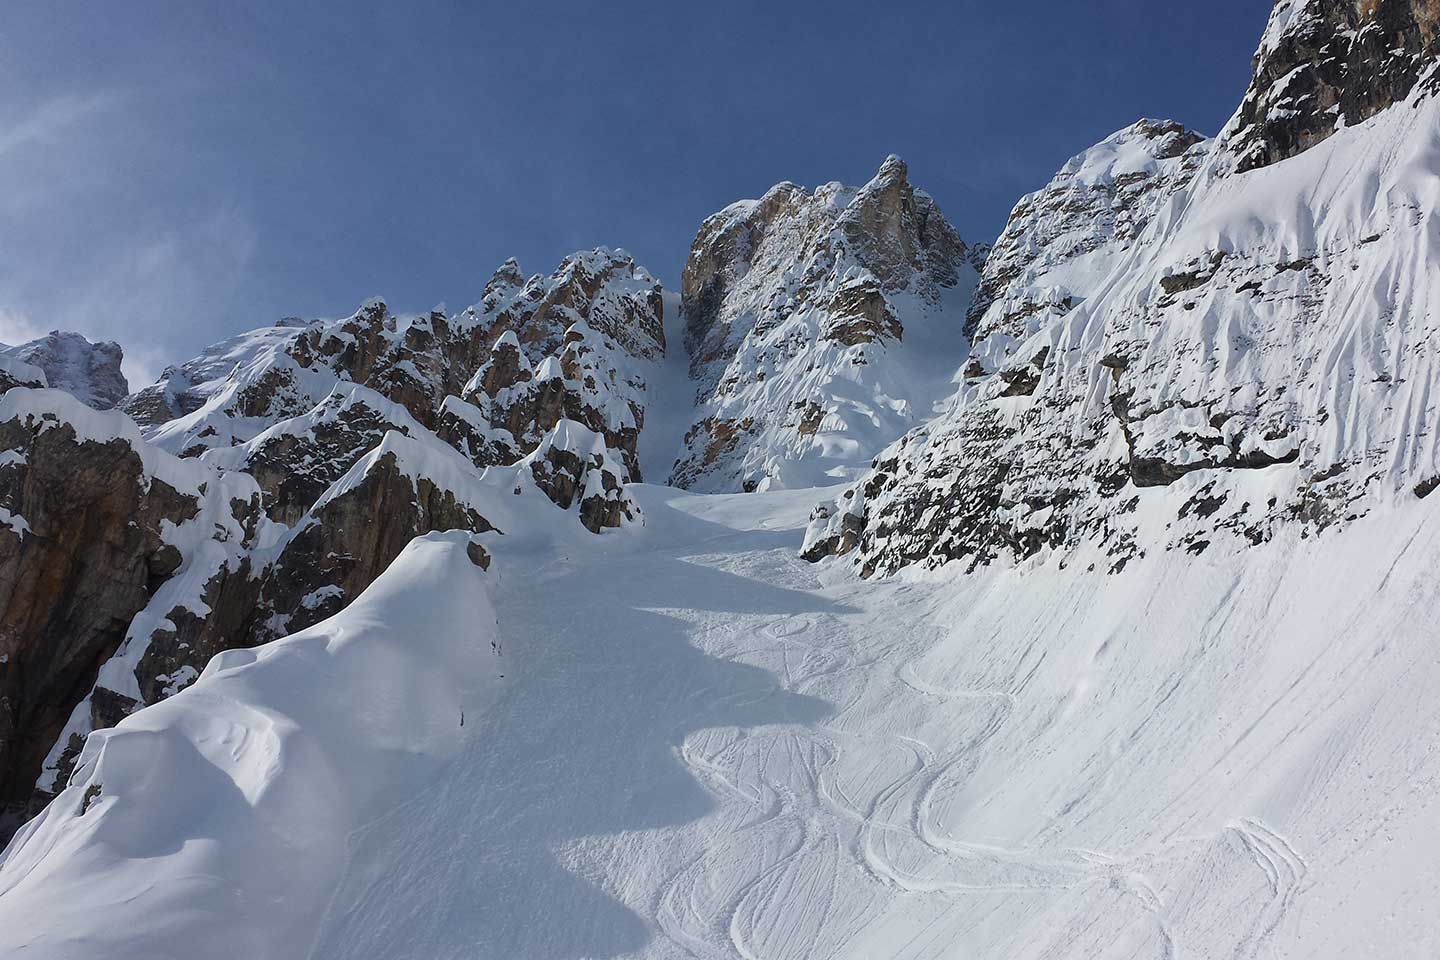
811 319
95 522
599 315
314 452
89 371
1257 355
1325 65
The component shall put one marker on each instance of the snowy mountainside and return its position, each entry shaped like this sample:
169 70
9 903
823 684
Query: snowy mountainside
1267 343
820 326
317 464
90 371
1130 655
1216 756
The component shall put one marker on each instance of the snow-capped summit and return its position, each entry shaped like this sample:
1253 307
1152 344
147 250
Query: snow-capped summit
820 326
89 371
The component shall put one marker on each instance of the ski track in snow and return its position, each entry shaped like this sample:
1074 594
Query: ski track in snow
696 745
709 748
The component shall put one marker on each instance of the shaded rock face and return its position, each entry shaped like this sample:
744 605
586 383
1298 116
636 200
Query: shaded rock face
350 539
81 553
296 460
1328 64
89 371
1159 342
790 301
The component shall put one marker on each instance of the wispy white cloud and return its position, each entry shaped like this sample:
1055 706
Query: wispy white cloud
16 327
46 122
77 253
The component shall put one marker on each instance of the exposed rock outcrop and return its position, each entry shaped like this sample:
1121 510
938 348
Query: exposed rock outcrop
598 319
816 324
296 460
1329 64
94 523
89 371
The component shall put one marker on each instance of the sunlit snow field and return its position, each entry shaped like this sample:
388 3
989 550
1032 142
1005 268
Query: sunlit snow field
689 742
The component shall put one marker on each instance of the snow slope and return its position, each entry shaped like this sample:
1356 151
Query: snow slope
221 816
1192 758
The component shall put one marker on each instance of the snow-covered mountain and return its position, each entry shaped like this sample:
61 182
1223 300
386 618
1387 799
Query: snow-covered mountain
820 326
1256 353
90 371
313 453
362 638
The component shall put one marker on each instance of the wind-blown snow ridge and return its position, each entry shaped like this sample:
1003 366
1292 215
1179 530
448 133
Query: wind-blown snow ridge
256 765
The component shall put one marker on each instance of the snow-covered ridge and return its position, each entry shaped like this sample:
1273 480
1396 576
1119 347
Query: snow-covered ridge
598 320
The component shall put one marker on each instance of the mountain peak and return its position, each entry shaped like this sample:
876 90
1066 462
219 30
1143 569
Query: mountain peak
71 362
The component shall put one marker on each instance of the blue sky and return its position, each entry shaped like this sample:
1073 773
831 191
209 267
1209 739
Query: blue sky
172 173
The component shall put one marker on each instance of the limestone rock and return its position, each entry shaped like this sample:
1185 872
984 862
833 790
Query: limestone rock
819 327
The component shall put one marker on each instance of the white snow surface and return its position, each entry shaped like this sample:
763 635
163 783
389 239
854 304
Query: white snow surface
702 746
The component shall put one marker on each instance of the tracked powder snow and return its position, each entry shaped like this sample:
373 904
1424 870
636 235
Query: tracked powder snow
1083 606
